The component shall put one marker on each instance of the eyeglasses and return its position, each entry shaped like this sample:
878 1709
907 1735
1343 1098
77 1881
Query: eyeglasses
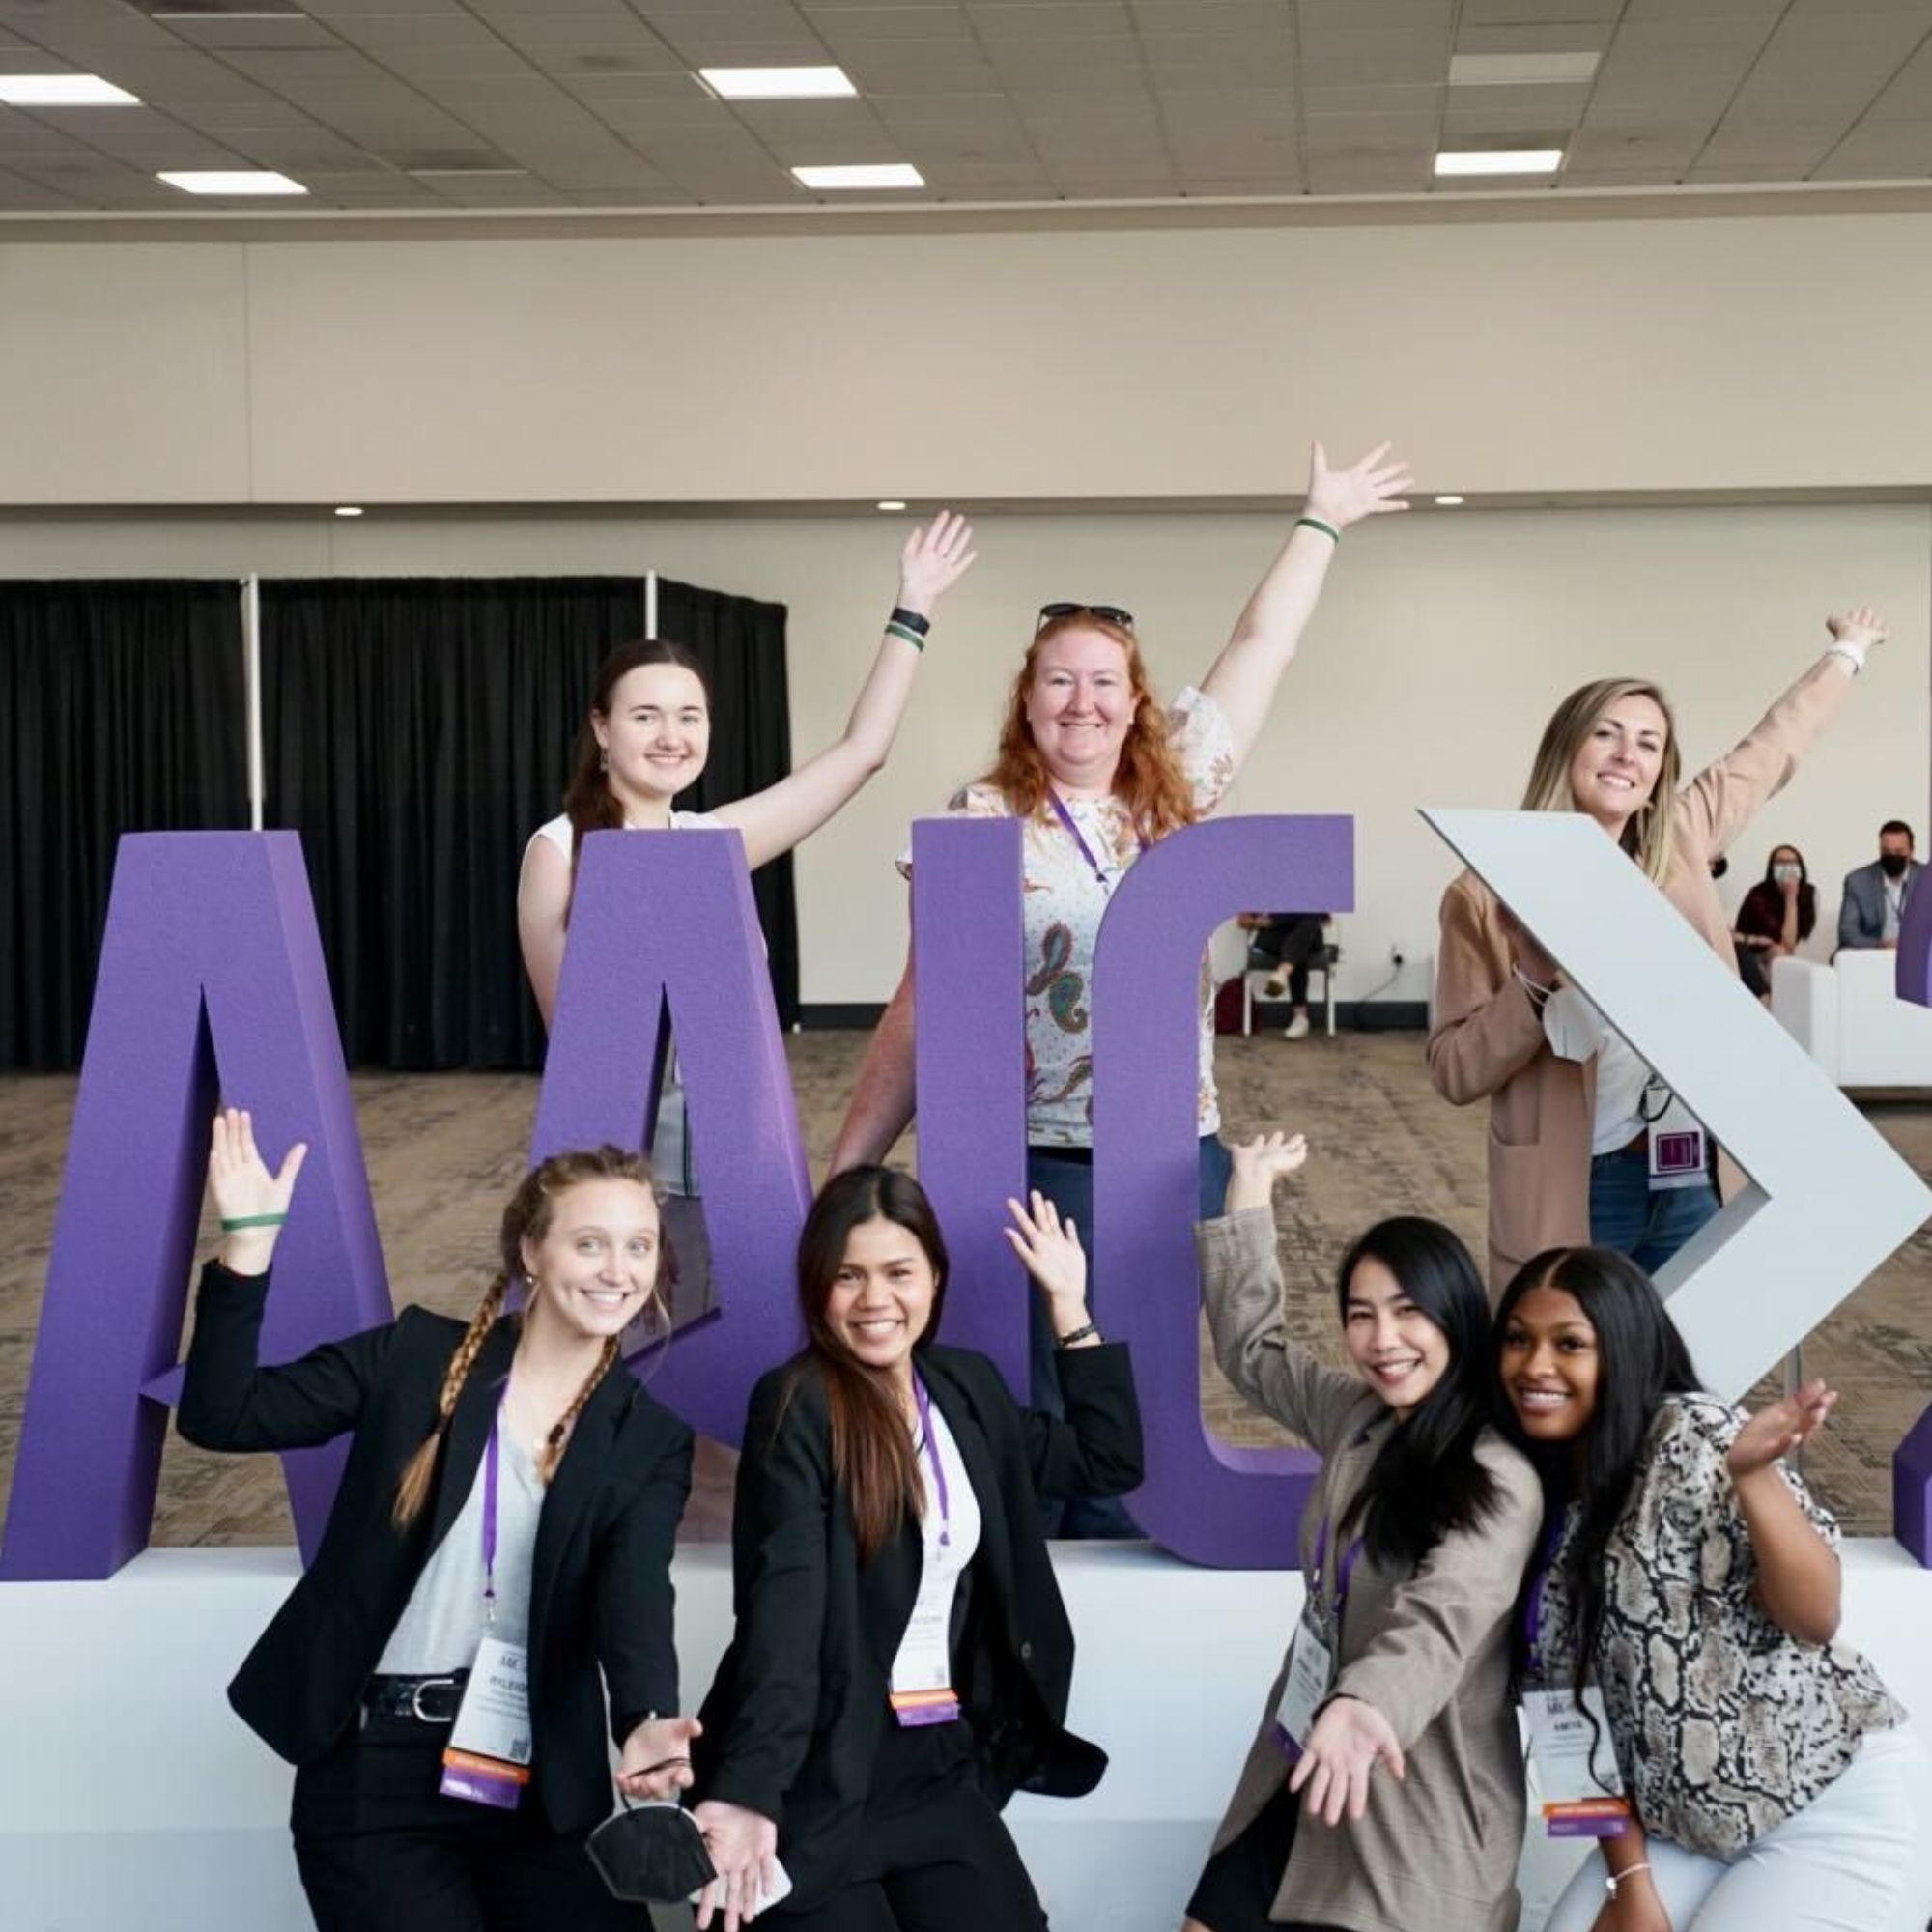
1112 613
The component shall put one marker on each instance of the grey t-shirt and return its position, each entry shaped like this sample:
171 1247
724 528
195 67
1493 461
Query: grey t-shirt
443 1623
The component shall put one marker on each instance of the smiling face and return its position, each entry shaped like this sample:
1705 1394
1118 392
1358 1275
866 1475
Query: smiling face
595 1268
881 1298
1614 770
1079 707
656 735
1548 1359
1401 1352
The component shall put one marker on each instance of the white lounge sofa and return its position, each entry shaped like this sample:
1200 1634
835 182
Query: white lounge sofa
1848 1019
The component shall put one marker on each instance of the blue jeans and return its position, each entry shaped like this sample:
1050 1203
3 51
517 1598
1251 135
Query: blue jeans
1065 1177
1648 1227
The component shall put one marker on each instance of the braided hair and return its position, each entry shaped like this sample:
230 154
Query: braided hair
526 1218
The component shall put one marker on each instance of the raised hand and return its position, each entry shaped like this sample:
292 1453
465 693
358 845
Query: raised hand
1257 1164
1862 628
656 1758
1368 489
1348 1741
244 1190
933 560
1051 1250
744 1850
1780 1428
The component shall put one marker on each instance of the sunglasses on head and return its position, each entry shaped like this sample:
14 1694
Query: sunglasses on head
1112 613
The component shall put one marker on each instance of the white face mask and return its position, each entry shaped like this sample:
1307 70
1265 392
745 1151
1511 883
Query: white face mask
1785 874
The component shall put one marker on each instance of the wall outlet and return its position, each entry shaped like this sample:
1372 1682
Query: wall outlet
1397 953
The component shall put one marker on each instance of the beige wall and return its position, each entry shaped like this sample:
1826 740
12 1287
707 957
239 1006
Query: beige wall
1443 643
1544 357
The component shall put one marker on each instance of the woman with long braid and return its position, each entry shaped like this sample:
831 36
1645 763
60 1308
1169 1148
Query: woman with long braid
503 1528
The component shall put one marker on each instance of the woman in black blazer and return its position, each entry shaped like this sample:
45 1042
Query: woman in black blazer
506 1495
902 1657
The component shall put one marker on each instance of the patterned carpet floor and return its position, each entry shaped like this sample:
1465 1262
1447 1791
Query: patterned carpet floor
443 1152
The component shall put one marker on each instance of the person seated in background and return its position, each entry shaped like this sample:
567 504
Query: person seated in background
1776 918
1287 944
1874 903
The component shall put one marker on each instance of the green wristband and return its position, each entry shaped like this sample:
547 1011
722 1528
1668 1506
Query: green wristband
1328 530
904 631
241 1221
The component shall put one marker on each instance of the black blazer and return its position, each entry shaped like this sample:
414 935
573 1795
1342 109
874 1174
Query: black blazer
795 1719
599 1583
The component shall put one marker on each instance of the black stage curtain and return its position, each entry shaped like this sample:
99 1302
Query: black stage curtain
121 710
416 732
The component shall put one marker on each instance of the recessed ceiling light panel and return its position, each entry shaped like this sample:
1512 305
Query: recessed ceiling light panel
63 90
872 174
776 83
232 181
1521 70
1499 161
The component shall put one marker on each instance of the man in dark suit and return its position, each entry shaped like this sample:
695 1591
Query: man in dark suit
1875 894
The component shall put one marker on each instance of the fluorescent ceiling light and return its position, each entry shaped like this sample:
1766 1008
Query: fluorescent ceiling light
348 510
1521 70
461 174
872 174
1499 161
776 83
1449 502
232 181
891 503
63 90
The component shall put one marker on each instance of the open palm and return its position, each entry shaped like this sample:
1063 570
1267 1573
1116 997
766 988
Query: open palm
935 559
1369 488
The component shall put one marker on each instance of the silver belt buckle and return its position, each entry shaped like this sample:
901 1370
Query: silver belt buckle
416 1710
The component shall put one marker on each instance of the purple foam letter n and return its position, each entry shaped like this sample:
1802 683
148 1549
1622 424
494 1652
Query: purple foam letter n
1201 1499
210 966
662 929
1912 1459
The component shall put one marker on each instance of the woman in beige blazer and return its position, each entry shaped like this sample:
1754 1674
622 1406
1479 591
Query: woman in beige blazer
1414 1544
1568 1137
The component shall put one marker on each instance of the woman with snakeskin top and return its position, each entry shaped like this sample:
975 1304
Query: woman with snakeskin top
1690 1582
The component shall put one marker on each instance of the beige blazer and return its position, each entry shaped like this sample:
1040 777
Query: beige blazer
1428 1649
1487 1039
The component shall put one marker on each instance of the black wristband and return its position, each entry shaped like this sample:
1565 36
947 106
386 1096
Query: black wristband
911 619
1092 1330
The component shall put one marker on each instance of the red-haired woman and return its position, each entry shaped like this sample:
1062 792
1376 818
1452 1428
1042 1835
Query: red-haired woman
503 1528
1098 771
903 1657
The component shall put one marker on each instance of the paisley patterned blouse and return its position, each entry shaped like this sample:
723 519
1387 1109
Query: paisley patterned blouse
1064 901
1725 1727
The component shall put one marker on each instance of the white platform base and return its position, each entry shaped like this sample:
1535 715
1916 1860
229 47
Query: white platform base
131 1796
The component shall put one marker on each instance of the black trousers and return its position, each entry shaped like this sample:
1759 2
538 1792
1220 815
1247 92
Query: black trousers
1238 1885
1292 942
380 1849
935 1857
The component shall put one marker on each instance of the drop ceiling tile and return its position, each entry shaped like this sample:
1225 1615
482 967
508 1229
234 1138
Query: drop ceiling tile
1583 37
1215 17
1324 16
221 36
1239 187
430 66
1562 101
1050 17
841 27
1538 13
1428 100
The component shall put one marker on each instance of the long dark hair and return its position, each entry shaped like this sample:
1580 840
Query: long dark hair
872 1454
1769 894
1425 1480
588 802
1641 1360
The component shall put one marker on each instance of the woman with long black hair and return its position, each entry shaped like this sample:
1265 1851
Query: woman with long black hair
1687 1603
497 1567
903 1657
1414 1546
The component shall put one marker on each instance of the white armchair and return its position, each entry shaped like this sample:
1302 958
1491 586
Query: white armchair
1848 1019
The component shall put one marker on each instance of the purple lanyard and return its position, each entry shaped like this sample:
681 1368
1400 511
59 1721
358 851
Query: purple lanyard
1079 838
1532 1608
932 1446
491 1457
1344 1571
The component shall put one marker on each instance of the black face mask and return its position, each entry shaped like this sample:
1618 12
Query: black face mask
651 1853
1894 864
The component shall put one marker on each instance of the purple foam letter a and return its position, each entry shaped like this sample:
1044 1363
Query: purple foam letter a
970 945
1201 1499
1912 1459
662 929
211 976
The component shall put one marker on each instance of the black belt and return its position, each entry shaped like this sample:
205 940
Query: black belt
414 1700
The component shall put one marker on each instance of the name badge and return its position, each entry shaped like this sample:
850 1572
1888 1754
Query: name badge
488 1758
921 1688
1679 1156
1311 1676
1575 1764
